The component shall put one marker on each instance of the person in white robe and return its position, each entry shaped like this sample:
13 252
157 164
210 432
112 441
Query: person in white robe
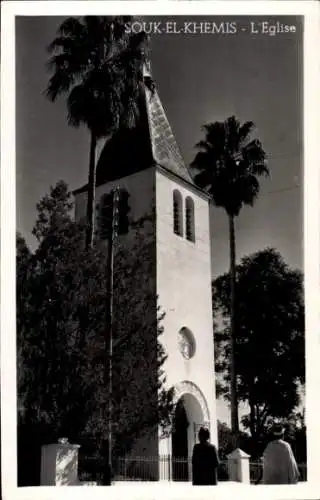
279 464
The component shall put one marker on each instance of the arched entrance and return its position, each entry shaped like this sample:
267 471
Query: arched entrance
191 412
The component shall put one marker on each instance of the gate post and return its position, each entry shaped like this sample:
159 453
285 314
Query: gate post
59 464
238 466
165 457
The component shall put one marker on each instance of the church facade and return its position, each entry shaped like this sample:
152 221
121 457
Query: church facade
147 163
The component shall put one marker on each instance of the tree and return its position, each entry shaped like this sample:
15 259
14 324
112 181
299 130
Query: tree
228 166
99 67
53 211
296 434
23 255
62 331
226 441
269 346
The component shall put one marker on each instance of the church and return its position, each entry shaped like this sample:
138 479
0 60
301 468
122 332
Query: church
147 163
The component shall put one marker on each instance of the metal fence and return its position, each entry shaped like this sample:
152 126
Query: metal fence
159 469
163 468
303 472
141 468
256 469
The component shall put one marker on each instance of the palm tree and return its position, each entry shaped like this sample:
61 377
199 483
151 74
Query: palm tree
227 166
98 66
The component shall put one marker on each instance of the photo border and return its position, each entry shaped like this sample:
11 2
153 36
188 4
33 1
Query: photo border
310 11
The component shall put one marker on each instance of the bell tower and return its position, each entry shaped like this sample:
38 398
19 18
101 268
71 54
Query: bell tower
147 162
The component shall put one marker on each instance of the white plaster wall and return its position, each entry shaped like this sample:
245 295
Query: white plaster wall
184 289
183 279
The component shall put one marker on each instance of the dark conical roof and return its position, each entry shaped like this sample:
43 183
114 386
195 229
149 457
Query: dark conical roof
150 142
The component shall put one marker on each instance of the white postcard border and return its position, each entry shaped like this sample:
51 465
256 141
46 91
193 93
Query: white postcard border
310 11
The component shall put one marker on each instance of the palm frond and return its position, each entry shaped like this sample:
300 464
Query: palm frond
72 26
61 43
99 66
203 145
228 164
245 130
255 156
216 137
97 26
232 126
119 26
59 83
203 179
77 103
202 161
150 84
59 62
96 102
249 187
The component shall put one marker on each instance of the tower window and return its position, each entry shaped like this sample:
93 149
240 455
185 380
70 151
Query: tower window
177 213
190 227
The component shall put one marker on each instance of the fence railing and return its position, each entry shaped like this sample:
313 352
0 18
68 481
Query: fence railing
256 469
160 468
141 468
303 472
163 468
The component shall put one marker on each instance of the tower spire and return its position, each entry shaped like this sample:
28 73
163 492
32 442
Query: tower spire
150 142
165 150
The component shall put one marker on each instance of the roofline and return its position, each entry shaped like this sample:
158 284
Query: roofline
147 108
167 172
191 185
80 190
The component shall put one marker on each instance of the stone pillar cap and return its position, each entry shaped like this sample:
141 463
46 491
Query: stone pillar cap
238 453
62 445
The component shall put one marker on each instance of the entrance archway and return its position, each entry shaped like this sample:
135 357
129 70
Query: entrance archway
191 412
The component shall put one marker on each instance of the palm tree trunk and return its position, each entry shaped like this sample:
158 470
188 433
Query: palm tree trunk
91 191
233 373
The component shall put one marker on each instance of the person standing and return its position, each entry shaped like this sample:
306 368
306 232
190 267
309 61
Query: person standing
279 464
205 460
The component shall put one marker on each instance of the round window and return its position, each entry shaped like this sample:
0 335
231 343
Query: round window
187 343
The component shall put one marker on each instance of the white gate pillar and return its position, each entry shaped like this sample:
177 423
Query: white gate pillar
239 466
165 456
59 464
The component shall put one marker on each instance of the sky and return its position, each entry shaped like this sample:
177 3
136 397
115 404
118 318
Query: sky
200 78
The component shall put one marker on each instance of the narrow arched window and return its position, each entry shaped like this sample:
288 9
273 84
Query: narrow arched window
190 228
177 213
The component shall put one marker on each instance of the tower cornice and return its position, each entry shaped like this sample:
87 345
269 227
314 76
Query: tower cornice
191 185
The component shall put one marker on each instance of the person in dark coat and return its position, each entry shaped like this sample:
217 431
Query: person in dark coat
205 461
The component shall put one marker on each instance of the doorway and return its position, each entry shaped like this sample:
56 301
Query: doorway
180 444
187 420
